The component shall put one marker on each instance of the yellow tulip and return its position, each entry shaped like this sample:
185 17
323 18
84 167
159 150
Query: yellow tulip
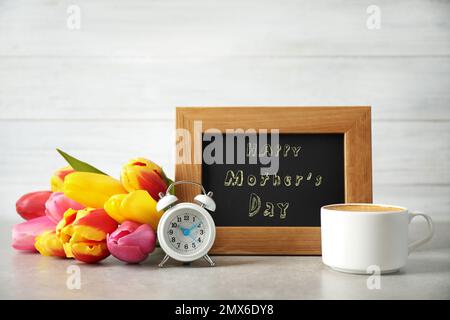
91 189
137 206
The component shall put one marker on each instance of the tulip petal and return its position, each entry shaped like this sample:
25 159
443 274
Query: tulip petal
57 180
91 189
24 234
138 206
48 244
131 242
64 228
58 204
97 219
84 232
143 237
90 252
32 205
153 182
112 207
129 226
143 174
129 254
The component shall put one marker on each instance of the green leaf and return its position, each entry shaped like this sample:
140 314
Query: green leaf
79 165
168 182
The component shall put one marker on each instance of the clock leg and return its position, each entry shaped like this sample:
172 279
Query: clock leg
163 261
207 258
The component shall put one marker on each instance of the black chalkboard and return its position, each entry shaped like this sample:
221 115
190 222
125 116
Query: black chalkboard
314 163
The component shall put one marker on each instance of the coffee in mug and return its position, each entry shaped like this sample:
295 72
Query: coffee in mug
356 236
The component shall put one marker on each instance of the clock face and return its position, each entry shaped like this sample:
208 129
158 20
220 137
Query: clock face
187 232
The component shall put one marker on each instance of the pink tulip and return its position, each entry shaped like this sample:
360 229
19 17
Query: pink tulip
132 242
57 204
24 234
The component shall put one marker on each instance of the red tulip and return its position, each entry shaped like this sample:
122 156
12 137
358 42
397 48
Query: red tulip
32 205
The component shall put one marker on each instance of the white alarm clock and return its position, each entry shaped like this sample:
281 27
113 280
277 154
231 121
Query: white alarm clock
186 231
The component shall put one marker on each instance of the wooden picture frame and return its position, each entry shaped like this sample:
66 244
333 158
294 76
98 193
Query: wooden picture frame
353 122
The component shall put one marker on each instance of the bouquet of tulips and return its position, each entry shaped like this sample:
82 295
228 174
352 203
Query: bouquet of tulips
89 215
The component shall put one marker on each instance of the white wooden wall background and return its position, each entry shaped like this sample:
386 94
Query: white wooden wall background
108 91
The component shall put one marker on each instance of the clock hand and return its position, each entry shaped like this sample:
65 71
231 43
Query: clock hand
187 231
194 226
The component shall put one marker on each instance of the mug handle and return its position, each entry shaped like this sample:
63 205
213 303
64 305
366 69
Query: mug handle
417 243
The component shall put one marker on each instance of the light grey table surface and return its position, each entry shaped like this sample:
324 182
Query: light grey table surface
31 276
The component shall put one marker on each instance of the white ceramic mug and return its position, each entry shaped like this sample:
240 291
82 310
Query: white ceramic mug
357 236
